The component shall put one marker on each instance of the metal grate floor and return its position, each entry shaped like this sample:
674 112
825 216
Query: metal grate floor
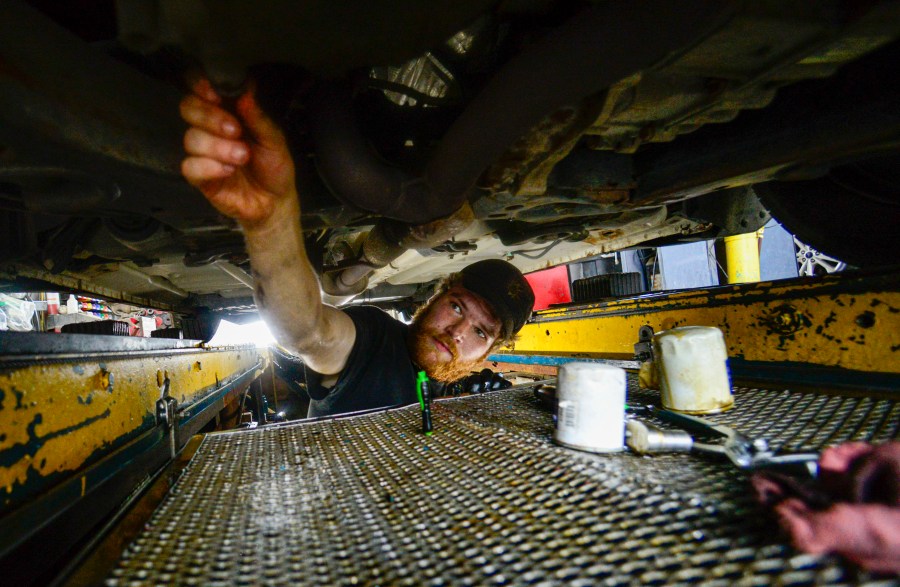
487 500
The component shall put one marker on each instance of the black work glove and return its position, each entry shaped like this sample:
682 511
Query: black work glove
481 382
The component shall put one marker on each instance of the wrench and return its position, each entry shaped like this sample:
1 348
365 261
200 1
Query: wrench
744 452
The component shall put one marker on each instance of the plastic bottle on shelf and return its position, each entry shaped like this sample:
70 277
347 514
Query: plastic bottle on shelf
52 303
72 305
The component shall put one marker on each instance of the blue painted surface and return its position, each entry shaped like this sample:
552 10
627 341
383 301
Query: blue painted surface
557 360
777 256
688 265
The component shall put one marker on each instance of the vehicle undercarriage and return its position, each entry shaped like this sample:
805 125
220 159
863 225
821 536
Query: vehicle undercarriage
430 136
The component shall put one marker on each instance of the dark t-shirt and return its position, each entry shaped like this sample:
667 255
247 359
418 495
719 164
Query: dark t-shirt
379 372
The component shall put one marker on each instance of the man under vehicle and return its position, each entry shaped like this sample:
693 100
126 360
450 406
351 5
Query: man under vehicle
359 358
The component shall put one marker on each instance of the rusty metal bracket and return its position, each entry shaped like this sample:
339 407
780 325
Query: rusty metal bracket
165 412
643 348
166 415
165 406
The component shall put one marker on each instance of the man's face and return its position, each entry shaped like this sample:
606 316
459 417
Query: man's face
453 334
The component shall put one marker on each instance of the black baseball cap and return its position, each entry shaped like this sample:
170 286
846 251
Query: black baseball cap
504 287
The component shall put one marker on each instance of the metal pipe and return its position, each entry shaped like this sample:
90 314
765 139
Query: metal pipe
346 163
155 280
235 272
388 240
84 102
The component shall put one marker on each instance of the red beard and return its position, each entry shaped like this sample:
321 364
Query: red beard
422 350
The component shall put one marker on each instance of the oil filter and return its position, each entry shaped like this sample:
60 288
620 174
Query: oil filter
591 407
693 369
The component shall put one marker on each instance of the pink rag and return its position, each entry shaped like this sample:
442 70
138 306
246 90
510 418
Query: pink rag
852 510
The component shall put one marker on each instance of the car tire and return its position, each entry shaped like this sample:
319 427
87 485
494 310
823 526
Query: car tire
850 214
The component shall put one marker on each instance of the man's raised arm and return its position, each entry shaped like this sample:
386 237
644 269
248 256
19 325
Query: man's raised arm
242 165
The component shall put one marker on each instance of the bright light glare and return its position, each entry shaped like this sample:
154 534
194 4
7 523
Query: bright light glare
255 333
